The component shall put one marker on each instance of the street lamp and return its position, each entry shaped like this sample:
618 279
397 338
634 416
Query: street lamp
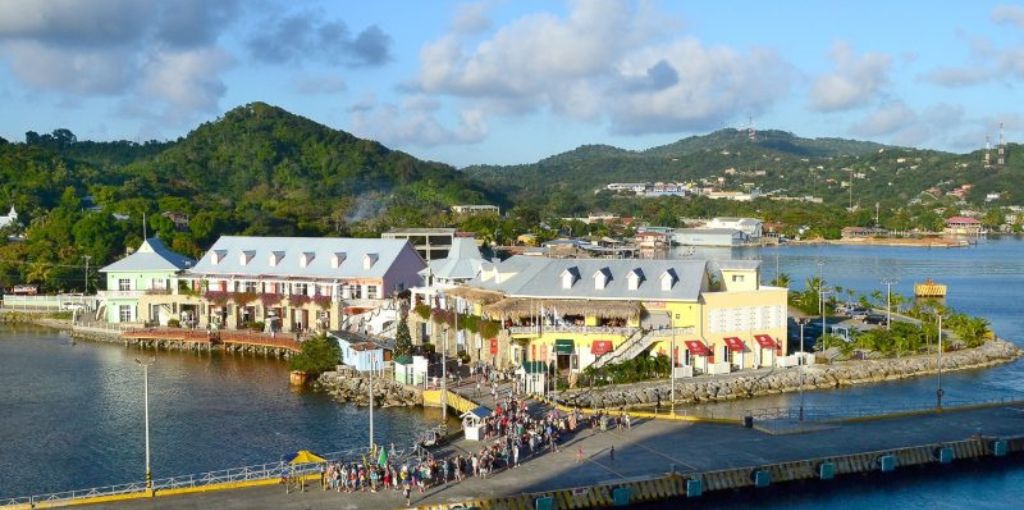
938 391
888 282
672 365
145 400
802 361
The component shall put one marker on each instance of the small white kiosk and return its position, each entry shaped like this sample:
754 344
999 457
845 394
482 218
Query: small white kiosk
473 422
532 375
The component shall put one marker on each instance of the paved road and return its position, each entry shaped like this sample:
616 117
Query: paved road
650 448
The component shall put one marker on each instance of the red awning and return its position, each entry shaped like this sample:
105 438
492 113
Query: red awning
697 348
600 347
766 341
735 344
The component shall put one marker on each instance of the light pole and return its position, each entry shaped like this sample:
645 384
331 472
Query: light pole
888 282
672 367
802 362
145 403
938 391
370 386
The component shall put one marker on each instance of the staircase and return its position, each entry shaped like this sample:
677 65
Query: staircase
637 343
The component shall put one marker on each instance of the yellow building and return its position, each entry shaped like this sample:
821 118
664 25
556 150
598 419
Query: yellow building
580 312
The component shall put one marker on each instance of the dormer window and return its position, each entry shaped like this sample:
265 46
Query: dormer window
337 259
369 260
306 258
219 256
276 257
601 278
668 279
569 277
246 256
634 278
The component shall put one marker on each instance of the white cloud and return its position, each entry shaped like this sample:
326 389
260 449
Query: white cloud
414 122
320 85
472 17
1009 14
885 120
187 81
896 122
609 60
856 81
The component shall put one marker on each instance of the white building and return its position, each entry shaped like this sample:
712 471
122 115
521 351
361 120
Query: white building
10 219
708 237
751 227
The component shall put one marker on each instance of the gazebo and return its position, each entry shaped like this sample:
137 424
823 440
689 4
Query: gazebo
533 376
473 422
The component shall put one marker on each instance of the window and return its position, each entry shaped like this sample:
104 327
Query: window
252 287
124 313
124 284
357 291
301 289
737 278
371 292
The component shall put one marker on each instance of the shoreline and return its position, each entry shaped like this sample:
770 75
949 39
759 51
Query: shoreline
644 395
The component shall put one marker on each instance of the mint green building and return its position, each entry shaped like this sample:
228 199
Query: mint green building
152 269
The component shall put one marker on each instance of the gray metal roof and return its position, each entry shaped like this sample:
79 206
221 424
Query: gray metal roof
526 276
152 255
290 251
463 261
709 231
738 265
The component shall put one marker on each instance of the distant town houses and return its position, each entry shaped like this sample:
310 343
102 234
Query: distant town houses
475 209
656 189
963 225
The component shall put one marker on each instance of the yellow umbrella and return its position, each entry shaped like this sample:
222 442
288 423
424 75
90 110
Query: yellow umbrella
305 457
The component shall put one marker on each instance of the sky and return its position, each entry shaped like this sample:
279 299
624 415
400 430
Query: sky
514 81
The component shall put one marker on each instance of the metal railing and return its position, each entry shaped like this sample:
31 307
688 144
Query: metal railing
597 330
845 412
268 471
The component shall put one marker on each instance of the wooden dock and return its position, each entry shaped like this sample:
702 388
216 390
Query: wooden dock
278 345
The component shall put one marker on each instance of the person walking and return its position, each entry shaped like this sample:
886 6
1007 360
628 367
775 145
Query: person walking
611 454
579 455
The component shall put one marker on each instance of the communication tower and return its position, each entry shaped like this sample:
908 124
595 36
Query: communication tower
1001 150
987 158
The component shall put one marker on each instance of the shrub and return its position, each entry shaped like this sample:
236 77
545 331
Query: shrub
422 310
173 323
257 326
319 354
489 329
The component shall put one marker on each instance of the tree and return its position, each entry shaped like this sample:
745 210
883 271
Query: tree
319 354
403 340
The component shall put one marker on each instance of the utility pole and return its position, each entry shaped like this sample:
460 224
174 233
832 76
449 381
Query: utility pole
672 369
86 287
145 403
444 366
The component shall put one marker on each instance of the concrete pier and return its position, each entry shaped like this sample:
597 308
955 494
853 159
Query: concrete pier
721 456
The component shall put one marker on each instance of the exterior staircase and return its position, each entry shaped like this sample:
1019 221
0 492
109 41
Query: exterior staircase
637 343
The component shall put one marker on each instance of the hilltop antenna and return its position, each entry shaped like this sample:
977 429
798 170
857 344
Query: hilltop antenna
988 152
1001 150
144 227
751 130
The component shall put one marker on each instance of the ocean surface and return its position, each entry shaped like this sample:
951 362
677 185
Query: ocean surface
71 414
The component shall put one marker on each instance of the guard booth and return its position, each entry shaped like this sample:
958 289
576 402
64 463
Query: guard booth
532 376
473 423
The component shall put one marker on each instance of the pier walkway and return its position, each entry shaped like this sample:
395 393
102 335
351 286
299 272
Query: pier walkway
651 448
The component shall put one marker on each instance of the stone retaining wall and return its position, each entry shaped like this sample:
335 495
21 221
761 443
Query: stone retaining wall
349 385
847 373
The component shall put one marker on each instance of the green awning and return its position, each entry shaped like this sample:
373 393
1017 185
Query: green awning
564 346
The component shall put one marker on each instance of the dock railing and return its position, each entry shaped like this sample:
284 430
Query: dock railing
225 478
840 413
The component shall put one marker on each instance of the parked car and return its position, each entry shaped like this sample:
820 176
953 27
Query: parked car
874 318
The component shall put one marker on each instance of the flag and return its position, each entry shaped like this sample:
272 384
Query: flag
382 460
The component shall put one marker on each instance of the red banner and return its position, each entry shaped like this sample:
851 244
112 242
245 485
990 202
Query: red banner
600 347
494 346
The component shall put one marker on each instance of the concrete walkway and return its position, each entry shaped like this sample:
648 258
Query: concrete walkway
650 448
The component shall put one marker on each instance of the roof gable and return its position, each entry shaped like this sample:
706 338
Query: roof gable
152 255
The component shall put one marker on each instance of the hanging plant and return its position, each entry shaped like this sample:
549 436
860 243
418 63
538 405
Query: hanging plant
270 299
216 297
439 315
298 299
489 329
244 298
422 310
324 302
472 323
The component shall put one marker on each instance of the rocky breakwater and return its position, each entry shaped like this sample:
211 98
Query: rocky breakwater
349 385
737 386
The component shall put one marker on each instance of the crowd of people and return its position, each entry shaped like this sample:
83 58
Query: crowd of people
511 434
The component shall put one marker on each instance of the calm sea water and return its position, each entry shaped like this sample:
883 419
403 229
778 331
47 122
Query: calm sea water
986 280
71 415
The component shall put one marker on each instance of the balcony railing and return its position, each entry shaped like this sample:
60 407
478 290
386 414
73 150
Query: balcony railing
586 330
108 294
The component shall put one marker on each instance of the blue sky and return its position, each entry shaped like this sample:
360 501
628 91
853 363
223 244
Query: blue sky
503 81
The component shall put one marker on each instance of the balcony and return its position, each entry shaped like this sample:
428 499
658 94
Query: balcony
584 330
120 294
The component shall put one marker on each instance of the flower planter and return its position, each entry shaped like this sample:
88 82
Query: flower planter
298 377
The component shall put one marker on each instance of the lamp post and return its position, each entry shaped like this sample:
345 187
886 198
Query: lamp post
938 391
802 362
145 403
888 282
86 287
370 386
672 364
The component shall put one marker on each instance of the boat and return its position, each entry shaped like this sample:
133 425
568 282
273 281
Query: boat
929 289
